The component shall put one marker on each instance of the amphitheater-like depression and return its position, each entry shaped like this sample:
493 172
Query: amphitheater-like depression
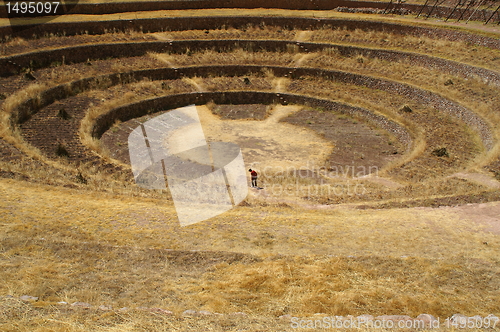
362 112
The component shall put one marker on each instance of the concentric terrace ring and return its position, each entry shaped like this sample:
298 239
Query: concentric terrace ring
11 65
31 106
215 22
15 64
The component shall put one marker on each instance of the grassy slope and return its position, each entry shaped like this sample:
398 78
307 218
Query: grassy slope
68 245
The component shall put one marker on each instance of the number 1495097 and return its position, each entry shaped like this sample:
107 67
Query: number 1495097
475 322
36 8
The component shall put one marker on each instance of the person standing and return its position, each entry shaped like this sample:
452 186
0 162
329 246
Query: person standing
254 177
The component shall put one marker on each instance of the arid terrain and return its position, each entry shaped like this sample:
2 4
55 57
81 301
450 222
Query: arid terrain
376 138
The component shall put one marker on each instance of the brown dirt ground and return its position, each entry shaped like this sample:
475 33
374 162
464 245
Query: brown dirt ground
354 142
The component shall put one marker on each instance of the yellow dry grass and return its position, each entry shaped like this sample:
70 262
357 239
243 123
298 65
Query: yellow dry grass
453 50
112 249
115 248
476 27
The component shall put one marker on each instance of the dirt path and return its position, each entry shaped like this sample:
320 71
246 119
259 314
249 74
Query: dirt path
482 179
279 84
487 215
484 215
167 59
196 83
162 36
303 36
280 112
301 58
384 181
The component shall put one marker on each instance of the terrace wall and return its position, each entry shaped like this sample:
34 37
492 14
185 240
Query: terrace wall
12 65
202 23
110 8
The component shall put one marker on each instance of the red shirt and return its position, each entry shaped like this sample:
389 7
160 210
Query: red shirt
254 174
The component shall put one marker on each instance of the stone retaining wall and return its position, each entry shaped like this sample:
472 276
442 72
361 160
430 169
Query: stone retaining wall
217 22
12 65
430 99
138 109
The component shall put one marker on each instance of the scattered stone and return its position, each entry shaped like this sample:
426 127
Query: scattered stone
286 317
160 311
123 309
61 151
406 109
29 76
63 114
359 10
441 152
246 80
62 303
81 305
28 298
189 313
204 313
448 82
105 307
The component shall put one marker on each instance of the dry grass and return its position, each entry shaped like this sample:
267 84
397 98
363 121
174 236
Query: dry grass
258 83
109 242
344 286
476 27
96 250
238 56
472 93
250 32
452 50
